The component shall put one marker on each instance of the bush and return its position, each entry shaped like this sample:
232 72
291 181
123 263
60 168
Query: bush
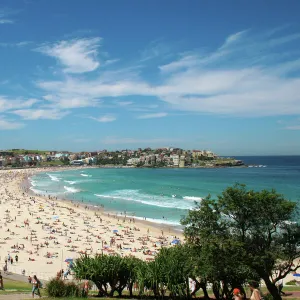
292 282
55 288
58 288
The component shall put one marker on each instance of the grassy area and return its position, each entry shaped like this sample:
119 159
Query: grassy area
12 286
25 151
15 287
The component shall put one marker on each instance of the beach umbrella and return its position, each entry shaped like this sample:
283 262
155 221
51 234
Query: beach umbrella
175 242
115 231
69 260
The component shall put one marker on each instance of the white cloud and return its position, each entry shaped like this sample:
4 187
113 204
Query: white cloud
10 124
7 104
124 103
77 55
70 100
152 116
6 21
246 76
105 118
111 61
35 114
5 16
295 127
184 62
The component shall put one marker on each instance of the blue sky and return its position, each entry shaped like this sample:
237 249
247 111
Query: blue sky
87 75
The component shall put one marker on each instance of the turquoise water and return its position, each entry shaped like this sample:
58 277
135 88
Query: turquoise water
165 195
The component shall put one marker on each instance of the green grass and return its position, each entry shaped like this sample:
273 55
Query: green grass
12 286
25 151
17 287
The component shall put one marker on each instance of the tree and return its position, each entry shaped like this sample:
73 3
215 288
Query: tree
109 273
252 231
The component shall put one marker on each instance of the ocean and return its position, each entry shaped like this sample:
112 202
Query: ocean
166 195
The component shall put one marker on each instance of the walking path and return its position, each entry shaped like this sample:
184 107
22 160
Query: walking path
15 296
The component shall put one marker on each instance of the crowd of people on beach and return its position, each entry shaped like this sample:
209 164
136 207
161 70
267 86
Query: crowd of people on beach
39 232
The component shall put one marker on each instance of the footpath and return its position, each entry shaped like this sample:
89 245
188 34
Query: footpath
15 297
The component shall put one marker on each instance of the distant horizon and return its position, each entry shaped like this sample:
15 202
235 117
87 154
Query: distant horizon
92 76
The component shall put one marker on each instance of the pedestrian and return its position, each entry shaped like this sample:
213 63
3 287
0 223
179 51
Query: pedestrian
280 287
255 292
1 282
35 286
11 260
29 279
86 288
16 258
237 294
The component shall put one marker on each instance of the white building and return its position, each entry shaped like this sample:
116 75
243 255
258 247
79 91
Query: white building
175 159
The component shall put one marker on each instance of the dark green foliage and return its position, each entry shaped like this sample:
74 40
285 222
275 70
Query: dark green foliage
57 288
109 273
242 235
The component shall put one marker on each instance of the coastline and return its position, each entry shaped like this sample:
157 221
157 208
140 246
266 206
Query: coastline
60 221
92 235
171 228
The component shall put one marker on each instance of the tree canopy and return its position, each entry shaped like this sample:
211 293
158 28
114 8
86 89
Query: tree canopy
244 234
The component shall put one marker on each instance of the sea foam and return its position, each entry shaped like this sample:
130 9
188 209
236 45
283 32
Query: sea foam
53 177
192 198
70 182
136 196
71 189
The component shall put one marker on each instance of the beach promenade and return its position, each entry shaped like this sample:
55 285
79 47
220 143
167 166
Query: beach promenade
40 233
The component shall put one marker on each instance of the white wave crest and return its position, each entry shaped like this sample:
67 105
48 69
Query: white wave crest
71 189
158 221
159 201
70 182
53 177
33 183
192 198
40 192
86 175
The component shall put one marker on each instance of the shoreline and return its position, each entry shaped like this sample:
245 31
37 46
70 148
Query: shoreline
43 231
172 228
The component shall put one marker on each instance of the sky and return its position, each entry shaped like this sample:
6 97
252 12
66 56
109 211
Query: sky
89 75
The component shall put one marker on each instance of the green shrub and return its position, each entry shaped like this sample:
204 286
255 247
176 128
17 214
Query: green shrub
71 290
292 282
58 288
55 288
268 297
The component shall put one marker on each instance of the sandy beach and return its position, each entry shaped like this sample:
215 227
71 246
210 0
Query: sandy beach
43 231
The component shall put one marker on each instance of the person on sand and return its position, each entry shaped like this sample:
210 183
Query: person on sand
1 282
237 295
255 292
86 287
280 287
35 286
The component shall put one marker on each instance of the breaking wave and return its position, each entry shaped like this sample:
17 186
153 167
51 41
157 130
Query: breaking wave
192 198
71 189
153 200
53 177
